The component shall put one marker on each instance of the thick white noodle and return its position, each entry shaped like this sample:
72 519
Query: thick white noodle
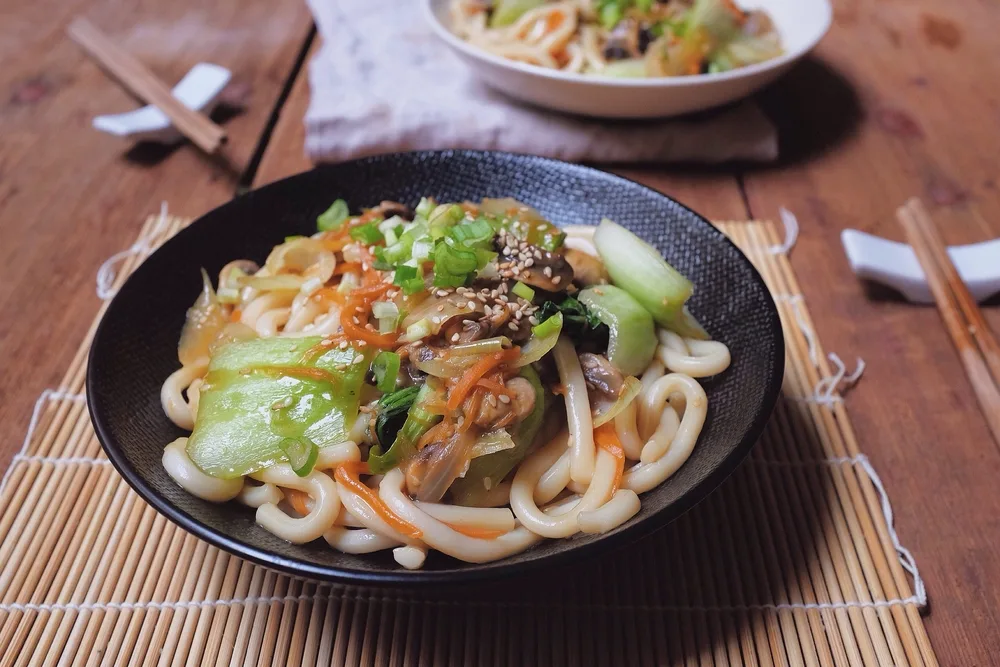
357 540
623 506
264 303
271 321
526 479
446 540
628 434
187 475
303 313
554 480
697 358
257 495
696 403
177 409
485 518
411 557
322 515
578 416
369 518
645 476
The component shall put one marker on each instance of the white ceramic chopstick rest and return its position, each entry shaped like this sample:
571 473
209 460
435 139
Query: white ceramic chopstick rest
895 265
199 90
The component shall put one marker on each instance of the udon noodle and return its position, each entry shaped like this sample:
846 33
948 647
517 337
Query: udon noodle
619 38
464 378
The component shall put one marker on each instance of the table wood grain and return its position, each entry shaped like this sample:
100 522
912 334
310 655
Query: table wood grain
898 101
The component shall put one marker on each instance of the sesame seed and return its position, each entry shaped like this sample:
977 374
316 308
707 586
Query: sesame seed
356 320
538 254
533 320
492 400
343 345
529 262
516 271
513 326
417 343
503 298
471 305
517 314
556 280
454 338
362 343
547 271
504 398
481 297
365 266
440 308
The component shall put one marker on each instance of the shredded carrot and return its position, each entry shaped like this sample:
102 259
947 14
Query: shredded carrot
356 330
607 439
471 409
297 499
555 19
369 293
478 533
347 474
439 431
476 372
235 315
504 421
494 387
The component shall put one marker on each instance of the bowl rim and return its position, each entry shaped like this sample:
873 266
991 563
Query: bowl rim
467 573
455 42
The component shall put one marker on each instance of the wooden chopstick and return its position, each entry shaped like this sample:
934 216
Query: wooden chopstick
137 78
977 348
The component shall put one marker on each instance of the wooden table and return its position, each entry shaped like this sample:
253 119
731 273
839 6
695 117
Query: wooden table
899 100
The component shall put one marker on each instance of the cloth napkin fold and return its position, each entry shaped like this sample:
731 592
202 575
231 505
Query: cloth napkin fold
382 82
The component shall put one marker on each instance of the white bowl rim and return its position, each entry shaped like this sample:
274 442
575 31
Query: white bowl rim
649 82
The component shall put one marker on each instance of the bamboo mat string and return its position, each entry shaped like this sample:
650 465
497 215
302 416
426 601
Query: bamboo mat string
804 564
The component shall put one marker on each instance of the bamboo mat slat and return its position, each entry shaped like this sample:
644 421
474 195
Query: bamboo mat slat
793 561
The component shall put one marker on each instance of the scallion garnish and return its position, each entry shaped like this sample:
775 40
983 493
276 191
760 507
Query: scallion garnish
523 291
385 368
367 234
333 217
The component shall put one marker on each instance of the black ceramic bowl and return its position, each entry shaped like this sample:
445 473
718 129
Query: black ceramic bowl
135 348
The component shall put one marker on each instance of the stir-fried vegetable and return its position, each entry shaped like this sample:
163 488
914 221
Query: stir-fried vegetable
544 338
385 368
333 217
486 472
391 413
205 319
632 336
301 453
507 12
259 392
418 420
579 323
638 268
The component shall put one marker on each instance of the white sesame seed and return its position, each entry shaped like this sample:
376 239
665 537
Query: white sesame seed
436 320
343 345
504 398
471 305
356 320
547 271
440 308
454 338
517 314
557 280
513 326
533 320
529 262
417 343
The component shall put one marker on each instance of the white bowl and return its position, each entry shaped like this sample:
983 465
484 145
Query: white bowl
801 23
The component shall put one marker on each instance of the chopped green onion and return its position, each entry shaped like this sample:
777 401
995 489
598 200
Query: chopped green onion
409 278
424 208
523 291
385 367
301 453
422 248
382 309
417 330
413 286
452 265
472 233
380 263
550 325
333 217
367 234
445 217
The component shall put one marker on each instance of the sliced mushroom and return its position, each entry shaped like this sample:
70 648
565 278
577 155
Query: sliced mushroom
587 269
623 41
551 272
524 396
601 376
465 331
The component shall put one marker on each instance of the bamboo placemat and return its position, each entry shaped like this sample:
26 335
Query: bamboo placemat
792 561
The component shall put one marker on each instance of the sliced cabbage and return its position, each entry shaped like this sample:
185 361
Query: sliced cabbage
604 411
205 319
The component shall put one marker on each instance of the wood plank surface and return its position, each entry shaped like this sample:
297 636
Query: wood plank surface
895 104
70 196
